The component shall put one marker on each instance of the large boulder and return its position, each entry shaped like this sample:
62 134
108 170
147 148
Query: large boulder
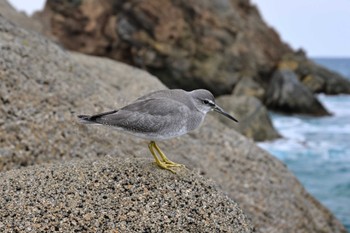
285 93
114 195
43 88
188 44
254 120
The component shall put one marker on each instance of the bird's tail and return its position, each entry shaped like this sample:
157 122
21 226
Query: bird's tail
86 119
94 119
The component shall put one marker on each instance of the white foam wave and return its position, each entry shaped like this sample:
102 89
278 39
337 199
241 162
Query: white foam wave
325 138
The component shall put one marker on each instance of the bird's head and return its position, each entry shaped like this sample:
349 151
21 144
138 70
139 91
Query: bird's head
205 102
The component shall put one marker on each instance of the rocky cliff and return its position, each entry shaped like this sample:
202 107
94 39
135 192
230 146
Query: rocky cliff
193 44
42 89
187 44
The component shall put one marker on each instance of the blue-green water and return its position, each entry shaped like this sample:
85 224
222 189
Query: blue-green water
317 150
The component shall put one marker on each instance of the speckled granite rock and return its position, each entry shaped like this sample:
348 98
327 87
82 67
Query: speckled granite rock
114 195
43 88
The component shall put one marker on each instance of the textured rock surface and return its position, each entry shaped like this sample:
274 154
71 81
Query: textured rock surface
188 44
287 94
254 120
43 87
114 195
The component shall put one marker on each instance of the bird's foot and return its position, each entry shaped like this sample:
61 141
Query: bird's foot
163 162
171 163
165 159
165 166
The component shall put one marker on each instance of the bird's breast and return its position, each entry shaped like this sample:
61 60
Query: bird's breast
195 120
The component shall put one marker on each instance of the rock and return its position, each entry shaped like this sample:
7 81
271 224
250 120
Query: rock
254 120
34 102
285 93
333 83
249 87
189 45
314 83
315 77
20 18
192 44
43 88
114 195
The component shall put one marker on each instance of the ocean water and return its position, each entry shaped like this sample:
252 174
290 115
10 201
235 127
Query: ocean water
317 150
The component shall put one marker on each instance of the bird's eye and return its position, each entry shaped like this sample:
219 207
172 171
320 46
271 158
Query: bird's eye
205 102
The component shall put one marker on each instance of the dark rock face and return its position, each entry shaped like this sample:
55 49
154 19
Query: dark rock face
43 88
114 195
187 44
316 78
287 94
254 121
326 81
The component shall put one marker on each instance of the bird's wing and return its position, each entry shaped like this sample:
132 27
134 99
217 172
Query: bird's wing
148 115
173 94
153 94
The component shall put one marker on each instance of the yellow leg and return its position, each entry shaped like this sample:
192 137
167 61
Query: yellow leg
158 162
164 158
164 162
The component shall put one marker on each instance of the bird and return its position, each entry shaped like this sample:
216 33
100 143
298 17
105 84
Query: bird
160 115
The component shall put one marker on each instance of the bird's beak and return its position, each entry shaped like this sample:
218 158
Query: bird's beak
221 111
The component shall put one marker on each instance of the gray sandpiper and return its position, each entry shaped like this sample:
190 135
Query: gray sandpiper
160 115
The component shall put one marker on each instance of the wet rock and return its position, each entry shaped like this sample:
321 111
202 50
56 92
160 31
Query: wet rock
286 94
254 120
